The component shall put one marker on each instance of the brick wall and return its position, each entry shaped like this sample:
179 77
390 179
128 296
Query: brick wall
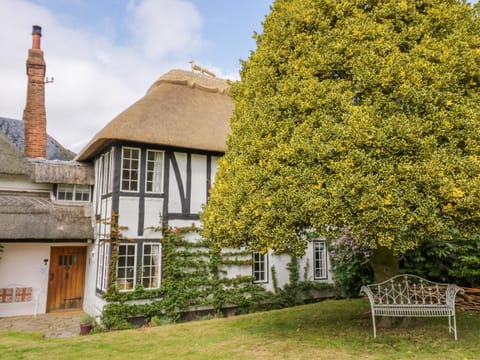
34 116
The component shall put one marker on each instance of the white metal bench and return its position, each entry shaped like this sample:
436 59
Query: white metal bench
412 296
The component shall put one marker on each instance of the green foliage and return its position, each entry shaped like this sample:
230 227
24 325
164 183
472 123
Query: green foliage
456 261
190 278
296 292
326 330
156 321
350 265
353 112
87 319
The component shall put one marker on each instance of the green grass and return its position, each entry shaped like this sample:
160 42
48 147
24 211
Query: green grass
326 330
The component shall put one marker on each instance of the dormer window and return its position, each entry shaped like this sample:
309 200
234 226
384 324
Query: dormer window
70 192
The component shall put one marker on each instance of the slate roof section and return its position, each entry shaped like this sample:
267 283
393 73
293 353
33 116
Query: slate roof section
13 129
11 159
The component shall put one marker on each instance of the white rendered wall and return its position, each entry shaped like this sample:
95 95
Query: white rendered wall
92 304
199 183
183 223
282 274
22 183
174 200
152 219
23 264
128 216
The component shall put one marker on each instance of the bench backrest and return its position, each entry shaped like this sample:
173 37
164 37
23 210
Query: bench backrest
410 290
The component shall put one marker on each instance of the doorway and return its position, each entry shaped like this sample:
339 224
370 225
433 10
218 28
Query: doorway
66 278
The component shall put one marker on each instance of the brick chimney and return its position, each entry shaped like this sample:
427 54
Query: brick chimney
34 116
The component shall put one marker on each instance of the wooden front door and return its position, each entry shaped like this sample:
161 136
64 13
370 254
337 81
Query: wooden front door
66 278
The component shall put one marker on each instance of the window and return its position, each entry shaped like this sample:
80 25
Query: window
106 171
110 159
259 267
102 267
151 266
71 192
130 168
154 179
126 266
319 260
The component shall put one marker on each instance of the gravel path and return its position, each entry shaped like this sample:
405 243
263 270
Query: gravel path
55 325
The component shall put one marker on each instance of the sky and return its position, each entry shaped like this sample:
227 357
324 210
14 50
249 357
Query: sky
105 54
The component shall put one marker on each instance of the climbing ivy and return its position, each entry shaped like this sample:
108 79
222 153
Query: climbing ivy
193 276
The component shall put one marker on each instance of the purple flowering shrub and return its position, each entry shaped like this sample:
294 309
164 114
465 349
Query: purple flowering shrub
350 265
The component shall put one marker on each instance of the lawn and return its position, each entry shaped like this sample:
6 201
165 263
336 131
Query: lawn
327 330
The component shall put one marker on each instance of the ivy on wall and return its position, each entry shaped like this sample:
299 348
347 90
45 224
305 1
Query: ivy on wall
193 276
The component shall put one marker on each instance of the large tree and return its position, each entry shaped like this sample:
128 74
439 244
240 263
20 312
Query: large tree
354 113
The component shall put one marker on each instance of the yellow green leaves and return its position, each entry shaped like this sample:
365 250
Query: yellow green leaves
358 113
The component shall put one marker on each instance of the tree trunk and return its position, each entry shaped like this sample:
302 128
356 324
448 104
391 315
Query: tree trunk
384 264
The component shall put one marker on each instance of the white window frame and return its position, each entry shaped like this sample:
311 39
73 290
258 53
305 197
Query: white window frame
320 265
260 273
110 171
157 174
104 173
127 282
151 265
130 170
73 189
103 265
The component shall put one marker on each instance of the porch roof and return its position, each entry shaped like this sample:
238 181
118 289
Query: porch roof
33 217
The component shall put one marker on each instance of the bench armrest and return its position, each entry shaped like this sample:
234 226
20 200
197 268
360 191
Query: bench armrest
451 293
366 290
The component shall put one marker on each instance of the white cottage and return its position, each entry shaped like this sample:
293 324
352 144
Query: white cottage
154 164
148 170
45 212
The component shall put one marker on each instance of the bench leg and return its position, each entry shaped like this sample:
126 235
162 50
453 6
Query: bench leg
454 327
450 324
374 326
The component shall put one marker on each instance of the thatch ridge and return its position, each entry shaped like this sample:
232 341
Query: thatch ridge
181 109
61 172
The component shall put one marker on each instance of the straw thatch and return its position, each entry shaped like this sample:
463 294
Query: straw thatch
11 159
61 172
181 109
34 217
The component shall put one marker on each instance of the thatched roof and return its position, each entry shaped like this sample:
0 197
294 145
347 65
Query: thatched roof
181 109
11 159
33 217
61 172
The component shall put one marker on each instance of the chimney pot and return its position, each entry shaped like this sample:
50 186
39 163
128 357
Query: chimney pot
36 29
36 35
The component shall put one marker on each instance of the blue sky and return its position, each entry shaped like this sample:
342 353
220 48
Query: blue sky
104 54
